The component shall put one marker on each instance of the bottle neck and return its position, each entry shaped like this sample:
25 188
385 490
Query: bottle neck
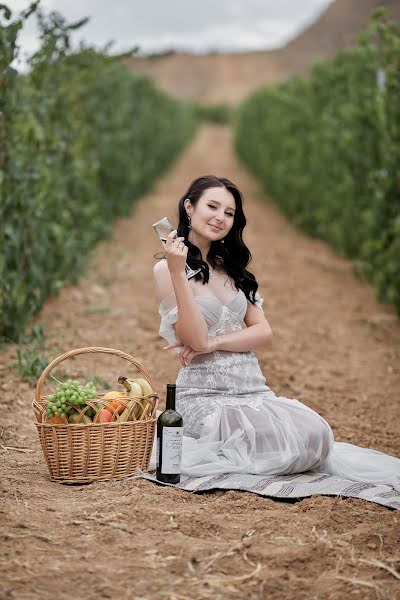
170 401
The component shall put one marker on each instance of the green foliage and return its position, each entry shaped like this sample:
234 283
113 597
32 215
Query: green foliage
31 361
327 150
98 380
214 113
81 138
96 308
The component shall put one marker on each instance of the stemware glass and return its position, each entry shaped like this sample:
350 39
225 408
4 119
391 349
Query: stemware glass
163 228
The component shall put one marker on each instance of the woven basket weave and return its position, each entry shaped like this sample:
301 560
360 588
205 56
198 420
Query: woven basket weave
83 453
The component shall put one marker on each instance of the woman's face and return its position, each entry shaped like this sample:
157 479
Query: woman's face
213 215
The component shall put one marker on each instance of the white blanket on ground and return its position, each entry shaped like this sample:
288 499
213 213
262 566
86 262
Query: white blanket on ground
298 485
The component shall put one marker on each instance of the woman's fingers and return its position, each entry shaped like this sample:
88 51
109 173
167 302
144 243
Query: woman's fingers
182 356
176 253
188 354
175 345
175 243
173 239
190 357
171 236
187 350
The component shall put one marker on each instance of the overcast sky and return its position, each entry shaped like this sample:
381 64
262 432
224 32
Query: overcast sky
195 26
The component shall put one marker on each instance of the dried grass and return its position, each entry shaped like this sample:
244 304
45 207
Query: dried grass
380 565
234 579
380 592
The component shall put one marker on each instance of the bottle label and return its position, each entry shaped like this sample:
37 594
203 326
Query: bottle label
171 450
157 452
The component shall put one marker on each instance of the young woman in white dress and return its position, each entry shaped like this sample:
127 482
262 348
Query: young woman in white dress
233 422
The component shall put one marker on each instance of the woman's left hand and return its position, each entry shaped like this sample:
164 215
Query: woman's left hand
187 353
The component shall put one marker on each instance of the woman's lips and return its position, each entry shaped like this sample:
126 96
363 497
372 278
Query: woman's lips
215 227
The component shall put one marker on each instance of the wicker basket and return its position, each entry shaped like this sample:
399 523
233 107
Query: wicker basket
83 453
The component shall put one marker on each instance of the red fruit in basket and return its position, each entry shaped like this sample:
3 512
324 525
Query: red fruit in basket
103 416
56 420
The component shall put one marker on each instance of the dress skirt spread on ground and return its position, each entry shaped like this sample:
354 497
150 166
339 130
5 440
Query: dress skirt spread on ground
234 423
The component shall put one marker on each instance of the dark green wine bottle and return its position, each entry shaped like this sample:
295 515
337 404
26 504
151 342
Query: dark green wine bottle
169 440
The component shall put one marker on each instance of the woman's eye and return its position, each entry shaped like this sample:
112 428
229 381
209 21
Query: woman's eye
212 206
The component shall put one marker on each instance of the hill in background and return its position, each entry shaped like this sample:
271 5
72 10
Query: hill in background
231 77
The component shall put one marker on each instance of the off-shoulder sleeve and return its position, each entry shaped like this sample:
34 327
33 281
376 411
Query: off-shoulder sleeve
169 315
259 300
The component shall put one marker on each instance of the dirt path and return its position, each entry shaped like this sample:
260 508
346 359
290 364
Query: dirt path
335 348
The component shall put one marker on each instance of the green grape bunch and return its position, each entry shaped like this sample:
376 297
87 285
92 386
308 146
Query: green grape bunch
69 394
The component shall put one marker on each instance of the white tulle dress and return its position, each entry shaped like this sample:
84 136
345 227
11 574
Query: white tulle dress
234 423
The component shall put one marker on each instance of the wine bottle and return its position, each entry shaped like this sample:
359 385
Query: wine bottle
169 440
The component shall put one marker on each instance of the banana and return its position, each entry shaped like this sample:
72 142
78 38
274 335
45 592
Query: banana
146 387
135 407
132 387
115 395
147 390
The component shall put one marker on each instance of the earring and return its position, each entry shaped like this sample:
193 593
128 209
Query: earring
190 221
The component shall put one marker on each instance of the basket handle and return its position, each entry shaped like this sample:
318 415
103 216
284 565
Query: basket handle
90 350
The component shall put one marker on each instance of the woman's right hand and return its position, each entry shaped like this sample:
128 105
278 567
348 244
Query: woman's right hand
176 253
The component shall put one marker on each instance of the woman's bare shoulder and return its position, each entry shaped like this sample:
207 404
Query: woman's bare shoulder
162 279
161 266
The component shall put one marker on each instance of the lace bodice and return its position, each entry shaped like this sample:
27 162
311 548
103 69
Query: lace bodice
220 317
218 378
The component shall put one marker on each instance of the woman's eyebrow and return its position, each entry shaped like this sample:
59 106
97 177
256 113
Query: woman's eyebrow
227 208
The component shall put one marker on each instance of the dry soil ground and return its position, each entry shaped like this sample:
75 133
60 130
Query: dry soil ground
335 348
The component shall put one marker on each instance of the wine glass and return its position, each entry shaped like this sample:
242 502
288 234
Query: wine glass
163 228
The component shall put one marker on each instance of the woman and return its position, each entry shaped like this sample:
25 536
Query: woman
233 422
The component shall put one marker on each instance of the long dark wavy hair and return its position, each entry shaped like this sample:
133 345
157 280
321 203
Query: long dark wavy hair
232 256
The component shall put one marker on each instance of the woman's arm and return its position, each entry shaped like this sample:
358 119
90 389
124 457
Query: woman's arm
191 327
246 340
257 334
